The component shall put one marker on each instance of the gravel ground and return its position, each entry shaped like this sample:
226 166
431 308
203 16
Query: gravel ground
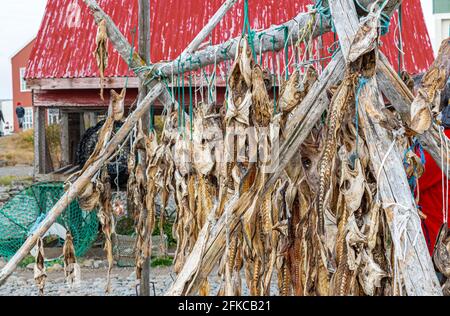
21 283
17 171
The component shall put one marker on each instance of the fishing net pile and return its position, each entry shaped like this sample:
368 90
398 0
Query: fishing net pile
21 215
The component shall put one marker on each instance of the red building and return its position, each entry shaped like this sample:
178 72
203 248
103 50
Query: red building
63 73
21 93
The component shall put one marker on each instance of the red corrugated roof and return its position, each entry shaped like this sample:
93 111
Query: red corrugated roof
65 44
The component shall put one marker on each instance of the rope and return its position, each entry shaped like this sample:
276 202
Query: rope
400 50
179 95
391 147
444 182
247 29
361 83
133 32
191 107
415 146
274 76
183 118
385 20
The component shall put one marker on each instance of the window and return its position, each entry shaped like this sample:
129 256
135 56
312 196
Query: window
28 119
23 83
53 116
441 6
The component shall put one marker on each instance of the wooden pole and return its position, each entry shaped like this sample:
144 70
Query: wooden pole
144 52
80 183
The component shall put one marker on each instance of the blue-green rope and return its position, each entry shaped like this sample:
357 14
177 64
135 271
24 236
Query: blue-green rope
361 83
179 95
247 29
274 76
183 118
191 106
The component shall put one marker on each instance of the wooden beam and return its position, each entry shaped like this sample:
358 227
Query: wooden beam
39 141
144 52
65 146
73 191
81 83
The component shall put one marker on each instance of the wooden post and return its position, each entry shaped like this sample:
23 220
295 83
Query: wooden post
40 147
144 52
65 150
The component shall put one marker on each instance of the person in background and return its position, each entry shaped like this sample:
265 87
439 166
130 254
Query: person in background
20 112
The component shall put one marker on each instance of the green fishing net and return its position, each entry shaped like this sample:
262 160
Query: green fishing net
21 215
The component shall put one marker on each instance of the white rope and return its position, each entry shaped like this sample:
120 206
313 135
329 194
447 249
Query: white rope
445 187
396 134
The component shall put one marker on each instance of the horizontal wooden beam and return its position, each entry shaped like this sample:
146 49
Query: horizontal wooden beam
108 83
80 83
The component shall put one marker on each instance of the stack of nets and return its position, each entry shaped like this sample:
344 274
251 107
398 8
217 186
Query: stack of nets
21 215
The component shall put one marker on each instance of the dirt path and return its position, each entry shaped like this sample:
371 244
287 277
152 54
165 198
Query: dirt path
17 171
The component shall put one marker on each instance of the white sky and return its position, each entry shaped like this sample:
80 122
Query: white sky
19 23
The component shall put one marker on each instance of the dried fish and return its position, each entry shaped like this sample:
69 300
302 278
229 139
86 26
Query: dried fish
101 52
72 269
40 274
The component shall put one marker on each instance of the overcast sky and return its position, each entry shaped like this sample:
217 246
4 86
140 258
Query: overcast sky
19 23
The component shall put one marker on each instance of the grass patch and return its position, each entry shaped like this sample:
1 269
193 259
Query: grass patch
8 180
162 262
18 148
25 262
168 227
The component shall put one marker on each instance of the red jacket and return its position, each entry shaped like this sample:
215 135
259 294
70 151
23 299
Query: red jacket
430 195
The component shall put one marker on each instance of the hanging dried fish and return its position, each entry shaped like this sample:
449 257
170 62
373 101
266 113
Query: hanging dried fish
427 101
117 105
72 270
261 108
101 52
441 253
105 216
40 274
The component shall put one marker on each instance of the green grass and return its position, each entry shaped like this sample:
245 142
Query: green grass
8 180
162 262
167 231
25 262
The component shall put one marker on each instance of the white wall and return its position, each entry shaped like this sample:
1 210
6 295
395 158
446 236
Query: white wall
427 7
8 114
436 24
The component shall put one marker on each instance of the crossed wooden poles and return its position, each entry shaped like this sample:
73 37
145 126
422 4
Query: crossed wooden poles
416 268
